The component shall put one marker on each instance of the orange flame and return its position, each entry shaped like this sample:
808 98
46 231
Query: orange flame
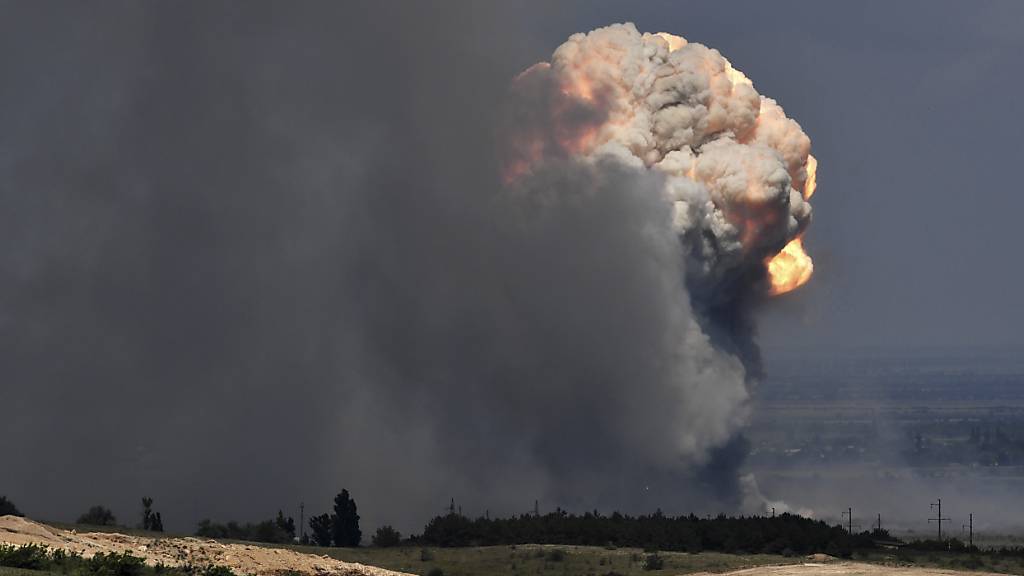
812 177
789 269
792 267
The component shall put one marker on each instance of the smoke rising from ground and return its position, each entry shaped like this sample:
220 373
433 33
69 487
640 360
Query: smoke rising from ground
251 258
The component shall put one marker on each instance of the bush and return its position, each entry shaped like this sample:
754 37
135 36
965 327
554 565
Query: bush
212 570
64 562
426 555
8 508
322 528
435 572
29 557
266 531
123 564
653 562
98 516
386 537
35 557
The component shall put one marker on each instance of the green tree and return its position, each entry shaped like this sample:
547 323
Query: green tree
287 525
158 523
151 520
98 516
8 507
320 526
386 537
346 521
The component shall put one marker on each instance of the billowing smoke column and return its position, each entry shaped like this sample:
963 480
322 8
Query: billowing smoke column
579 332
731 175
737 172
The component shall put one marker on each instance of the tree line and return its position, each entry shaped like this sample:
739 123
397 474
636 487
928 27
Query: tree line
340 528
783 534
100 515
786 534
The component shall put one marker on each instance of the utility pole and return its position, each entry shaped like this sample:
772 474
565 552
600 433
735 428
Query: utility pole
849 515
938 517
536 507
970 527
773 511
302 522
451 507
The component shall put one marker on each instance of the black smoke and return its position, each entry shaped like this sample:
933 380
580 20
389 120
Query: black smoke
252 254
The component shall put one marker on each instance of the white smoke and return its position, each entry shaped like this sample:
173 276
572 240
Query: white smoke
734 166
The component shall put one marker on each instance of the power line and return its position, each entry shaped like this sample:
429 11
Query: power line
938 518
970 526
849 515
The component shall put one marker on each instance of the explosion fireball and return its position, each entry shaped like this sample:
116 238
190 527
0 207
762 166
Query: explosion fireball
737 172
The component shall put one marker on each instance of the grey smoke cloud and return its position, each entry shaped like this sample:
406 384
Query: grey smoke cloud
250 257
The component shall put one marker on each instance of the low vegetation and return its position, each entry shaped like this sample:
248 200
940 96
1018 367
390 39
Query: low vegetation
952 555
37 558
280 530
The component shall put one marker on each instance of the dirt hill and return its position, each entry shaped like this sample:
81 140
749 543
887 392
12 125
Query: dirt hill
241 558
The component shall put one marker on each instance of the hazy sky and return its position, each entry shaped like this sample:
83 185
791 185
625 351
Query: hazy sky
177 185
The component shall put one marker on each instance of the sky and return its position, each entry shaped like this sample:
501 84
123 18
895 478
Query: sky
203 207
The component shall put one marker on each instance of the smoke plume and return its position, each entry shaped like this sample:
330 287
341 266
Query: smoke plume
595 326
249 282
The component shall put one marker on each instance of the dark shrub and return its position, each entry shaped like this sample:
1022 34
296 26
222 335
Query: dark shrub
386 537
286 525
115 565
322 528
556 555
64 562
426 555
98 516
212 570
435 572
29 556
8 508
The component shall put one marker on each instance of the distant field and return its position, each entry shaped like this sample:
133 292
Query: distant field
536 559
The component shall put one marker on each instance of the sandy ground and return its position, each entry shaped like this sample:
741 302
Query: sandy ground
241 558
836 568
